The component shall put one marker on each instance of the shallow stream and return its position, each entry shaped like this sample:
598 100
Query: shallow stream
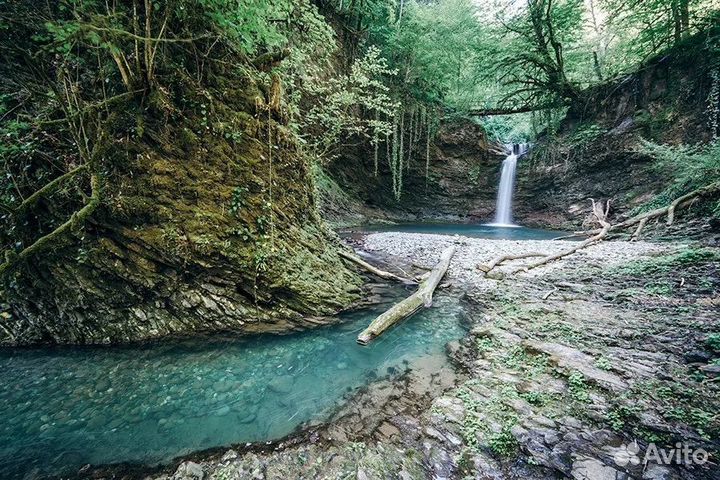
63 408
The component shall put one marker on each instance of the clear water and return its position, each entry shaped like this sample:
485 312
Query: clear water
469 230
63 408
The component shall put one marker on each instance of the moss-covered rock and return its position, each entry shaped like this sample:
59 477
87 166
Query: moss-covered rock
208 224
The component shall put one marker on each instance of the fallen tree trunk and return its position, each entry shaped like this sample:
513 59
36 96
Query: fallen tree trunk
601 217
491 112
641 220
374 270
421 298
504 258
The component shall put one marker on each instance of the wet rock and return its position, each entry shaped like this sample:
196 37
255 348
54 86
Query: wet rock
697 356
569 358
189 471
586 468
281 384
452 408
404 475
388 430
222 411
247 418
487 469
438 461
712 370
654 471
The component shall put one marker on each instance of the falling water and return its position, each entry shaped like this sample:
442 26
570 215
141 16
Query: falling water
503 212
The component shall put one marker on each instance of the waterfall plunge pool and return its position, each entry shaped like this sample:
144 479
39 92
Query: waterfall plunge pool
507 232
65 407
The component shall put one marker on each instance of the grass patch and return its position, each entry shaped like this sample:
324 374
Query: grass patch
666 263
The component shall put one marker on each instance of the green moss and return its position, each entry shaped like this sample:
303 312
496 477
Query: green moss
666 263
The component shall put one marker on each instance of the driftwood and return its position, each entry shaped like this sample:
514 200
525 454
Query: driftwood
374 270
421 298
641 220
600 215
504 258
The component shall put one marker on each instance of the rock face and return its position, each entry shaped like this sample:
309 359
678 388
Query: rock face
199 231
461 184
596 152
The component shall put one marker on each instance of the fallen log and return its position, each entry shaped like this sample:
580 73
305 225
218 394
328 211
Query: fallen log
421 298
669 210
374 270
600 215
504 258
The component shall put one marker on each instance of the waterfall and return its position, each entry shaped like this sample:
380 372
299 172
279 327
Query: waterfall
503 211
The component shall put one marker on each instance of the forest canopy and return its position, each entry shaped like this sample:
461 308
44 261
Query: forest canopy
81 76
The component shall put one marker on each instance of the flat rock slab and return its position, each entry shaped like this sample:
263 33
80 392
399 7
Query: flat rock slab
569 358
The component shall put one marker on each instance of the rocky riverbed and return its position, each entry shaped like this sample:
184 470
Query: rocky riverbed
573 370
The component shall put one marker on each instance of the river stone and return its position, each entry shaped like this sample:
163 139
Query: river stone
221 386
281 384
229 455
189 471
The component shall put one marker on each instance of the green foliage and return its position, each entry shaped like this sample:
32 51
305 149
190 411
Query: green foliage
713 341
689 167
333 116
578 387
619 415
503 443
238 201
603 363
586 135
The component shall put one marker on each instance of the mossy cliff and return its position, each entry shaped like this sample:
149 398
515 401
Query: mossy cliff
208 222
458 185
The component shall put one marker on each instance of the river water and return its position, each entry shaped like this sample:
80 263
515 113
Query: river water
467 230
63 408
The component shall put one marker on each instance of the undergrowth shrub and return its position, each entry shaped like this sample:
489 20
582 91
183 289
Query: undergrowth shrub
688 167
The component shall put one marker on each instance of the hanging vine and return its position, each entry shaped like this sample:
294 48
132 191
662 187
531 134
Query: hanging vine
713 109
410 139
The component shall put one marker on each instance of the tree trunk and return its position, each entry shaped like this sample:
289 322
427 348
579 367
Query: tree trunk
375 271
421 298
